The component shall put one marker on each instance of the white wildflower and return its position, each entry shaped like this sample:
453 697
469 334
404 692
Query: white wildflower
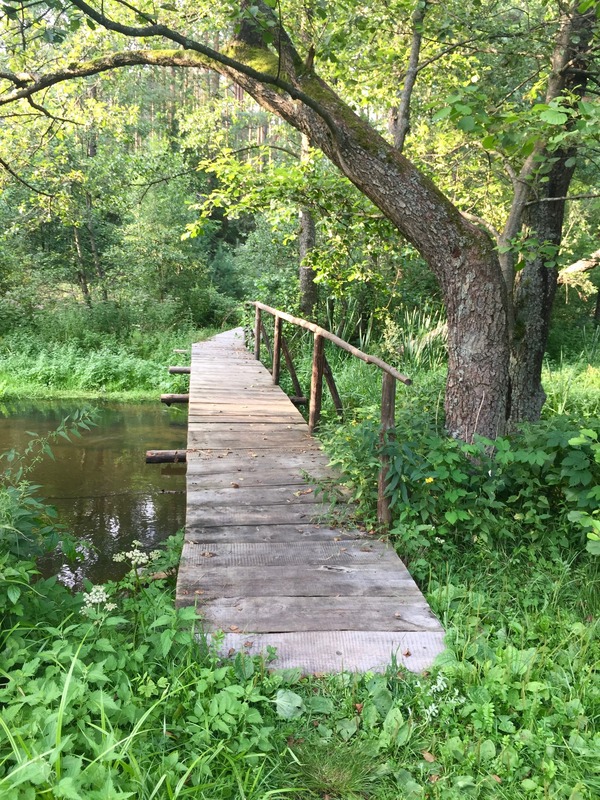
431 711
440 684
97 595
135 556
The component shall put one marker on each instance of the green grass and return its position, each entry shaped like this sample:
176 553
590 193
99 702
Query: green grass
124 700
132 368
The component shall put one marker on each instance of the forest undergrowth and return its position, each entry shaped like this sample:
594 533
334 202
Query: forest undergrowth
107 694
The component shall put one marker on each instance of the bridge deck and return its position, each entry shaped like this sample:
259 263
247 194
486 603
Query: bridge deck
259 559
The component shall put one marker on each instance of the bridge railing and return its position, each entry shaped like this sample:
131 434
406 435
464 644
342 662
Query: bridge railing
320 370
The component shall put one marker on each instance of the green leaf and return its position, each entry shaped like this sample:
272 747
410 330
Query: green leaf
67 789
466 123
487 751
320 705
442 113
289 705
347 728
553 117
166 642
593 545
13 592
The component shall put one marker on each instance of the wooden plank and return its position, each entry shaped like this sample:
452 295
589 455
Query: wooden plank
203 416
247 429
255 515
232 458
275 582
252 614
248 478
202 535
239 495
348 554
339 651
225 406
198 438
206 475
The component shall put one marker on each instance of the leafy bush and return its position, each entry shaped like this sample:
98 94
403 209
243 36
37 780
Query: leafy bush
457 495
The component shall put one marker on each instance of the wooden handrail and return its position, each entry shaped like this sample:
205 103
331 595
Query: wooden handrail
316 329
320 367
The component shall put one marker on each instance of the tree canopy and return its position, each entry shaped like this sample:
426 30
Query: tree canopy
465 125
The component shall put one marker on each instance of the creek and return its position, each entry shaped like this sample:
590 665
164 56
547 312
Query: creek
100 485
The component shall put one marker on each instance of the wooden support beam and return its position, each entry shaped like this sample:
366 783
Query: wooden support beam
257 329
291 369
166 456
170 399
335 395
266 339
277 350
388 422
180 370
299 401
316 383
186 352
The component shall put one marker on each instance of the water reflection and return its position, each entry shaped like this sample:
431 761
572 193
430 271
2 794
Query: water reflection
100 484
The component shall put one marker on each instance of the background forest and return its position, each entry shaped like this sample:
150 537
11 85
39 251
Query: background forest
140 208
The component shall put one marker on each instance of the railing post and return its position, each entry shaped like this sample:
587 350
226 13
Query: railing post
388 406
277 349
257 327
316 383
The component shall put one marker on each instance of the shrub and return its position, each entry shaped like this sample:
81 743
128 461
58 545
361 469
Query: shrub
445 493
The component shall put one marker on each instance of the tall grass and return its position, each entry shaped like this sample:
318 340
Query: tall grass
106 350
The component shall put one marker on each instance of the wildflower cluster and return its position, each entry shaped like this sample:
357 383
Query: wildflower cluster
435 698
137 557
97 600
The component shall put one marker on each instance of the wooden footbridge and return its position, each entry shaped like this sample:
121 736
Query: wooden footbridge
261 559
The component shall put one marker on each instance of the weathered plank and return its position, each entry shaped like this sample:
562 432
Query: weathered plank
346 554
255 514
223 439
339 651
202 534
352 613
239 495
247 478
273 582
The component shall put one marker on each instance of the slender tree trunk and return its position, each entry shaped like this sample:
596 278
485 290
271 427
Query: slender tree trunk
533 295
94 249
307 241
400 115
542 219
81 274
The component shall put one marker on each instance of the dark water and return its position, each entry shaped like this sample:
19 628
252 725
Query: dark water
100 484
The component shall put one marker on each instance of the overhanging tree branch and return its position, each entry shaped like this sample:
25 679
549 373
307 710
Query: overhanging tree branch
215 57
583 265
22 181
